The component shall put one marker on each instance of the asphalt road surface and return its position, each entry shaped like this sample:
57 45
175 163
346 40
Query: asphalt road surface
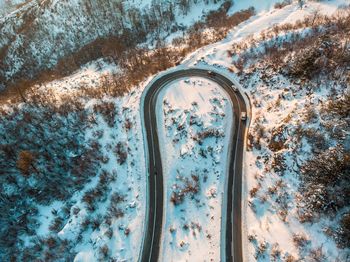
233 229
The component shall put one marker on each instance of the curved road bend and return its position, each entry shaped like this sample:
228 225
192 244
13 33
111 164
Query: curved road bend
151 244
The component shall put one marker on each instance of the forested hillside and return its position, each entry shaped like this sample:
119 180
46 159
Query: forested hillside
43 33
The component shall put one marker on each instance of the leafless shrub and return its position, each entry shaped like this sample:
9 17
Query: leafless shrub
263 198
290 258
300 240
278 138
254 191
282 4
272 190
252 238
25 162
344 231
305 216
340 106
121 152
282 214
188 187
104 251
98 194
317 255
261 249
310 115
275 251
279 163
316 138
127 231
128 124
114 210
96 222
109 233
76 210
108 111
85 224
207 134
56 224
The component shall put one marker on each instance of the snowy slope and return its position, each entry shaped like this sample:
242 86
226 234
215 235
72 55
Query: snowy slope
105 219
38 35
187 109
265 223
189 230
6 6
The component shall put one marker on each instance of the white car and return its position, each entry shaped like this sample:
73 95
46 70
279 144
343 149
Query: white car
243 116
234 88
211 73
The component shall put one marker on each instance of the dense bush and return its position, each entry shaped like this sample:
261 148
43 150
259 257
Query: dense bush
324 176
327 174
325 54
108 111
318 50
44 158
340 107
344 230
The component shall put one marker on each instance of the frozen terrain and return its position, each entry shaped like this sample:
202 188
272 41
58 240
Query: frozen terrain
272 216
194 126
120 213
6 6
105 217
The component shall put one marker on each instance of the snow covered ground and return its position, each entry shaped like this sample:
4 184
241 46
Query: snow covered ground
194 122
266 18
122 235
192 227
104 220
186 109
270 228
6 6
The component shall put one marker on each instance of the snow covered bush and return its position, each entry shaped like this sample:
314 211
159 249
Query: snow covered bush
298 143
107 110
47 158
344 230
185 187
324 54
282 4
319 48
324 176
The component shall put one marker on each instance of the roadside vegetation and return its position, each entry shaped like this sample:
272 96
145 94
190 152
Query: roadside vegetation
126 49
309 140
64 147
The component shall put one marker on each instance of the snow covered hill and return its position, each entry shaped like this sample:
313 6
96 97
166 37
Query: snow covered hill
72 160
286 219
41 33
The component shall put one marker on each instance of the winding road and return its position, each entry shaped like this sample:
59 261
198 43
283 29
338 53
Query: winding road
233 228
